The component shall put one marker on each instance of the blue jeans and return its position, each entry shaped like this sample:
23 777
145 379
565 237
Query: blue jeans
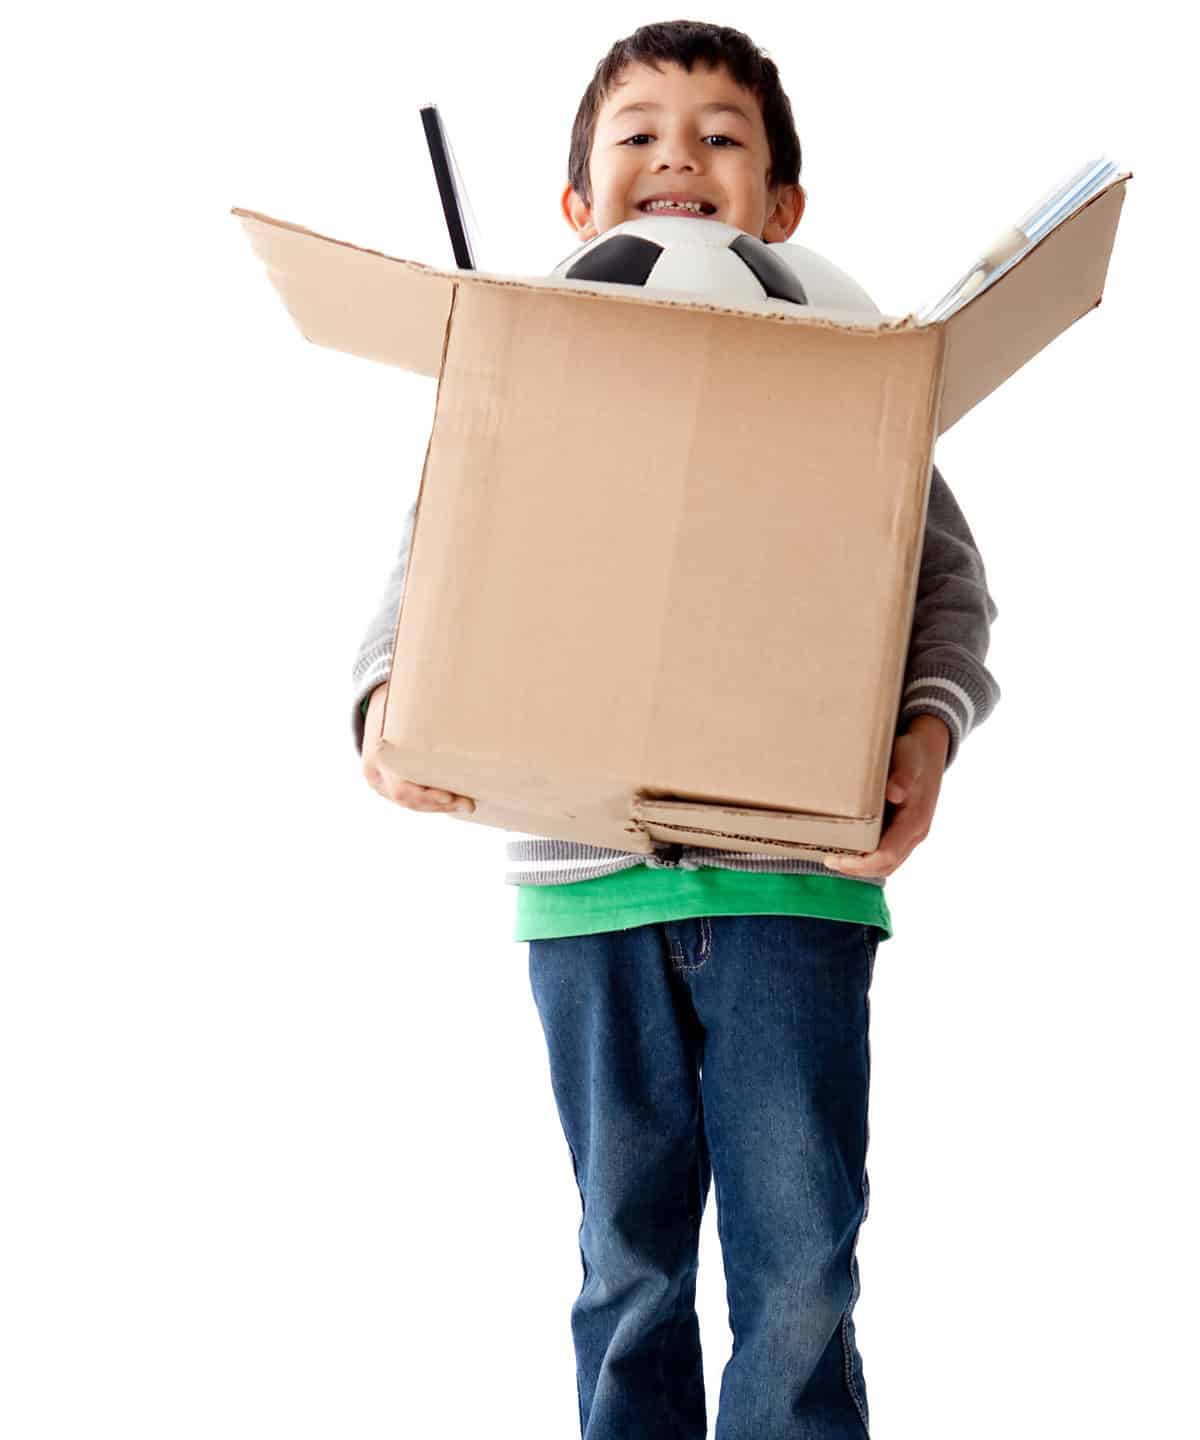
733 1047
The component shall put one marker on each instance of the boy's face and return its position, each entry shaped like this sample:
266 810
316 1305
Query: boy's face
698 136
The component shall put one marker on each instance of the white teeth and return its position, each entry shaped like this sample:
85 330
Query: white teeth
692 205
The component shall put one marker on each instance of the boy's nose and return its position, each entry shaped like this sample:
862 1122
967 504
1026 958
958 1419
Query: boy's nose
676 162
678 152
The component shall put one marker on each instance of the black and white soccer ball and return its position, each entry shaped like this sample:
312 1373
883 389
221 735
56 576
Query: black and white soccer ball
707 260
702 258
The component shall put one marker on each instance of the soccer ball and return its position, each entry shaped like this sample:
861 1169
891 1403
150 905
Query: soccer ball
703 258
716 263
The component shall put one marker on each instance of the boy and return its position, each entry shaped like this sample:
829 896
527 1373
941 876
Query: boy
706 1012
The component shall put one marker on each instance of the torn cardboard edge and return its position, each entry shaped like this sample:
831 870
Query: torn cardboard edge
689 822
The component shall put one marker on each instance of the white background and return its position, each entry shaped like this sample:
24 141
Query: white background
280 1151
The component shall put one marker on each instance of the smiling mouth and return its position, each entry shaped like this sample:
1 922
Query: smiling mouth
698 208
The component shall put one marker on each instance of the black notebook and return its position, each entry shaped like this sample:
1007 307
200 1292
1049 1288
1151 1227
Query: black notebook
460 222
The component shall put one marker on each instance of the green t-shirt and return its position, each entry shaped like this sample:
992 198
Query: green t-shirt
643 896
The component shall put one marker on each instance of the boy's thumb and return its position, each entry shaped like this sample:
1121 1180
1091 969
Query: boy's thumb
900 785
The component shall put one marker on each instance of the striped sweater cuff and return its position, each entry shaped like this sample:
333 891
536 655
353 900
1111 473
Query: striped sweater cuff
372 670
955 696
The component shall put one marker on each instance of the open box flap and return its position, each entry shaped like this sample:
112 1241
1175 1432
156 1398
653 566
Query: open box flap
391 310
359 301
1043 294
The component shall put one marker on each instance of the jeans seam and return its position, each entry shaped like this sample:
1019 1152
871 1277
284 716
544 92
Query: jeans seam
679 959
670 1336
849 1369
583 1260
864 1190
664 1389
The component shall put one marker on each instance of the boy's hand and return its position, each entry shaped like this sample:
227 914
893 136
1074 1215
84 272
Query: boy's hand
403 792
918 763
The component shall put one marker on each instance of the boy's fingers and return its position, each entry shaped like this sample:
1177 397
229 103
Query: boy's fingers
423 797
878 862
426 798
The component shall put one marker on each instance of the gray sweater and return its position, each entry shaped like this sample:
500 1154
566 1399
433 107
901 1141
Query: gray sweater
944 676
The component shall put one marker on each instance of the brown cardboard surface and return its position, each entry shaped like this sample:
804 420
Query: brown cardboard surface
1061 279
591 618
360 301
662 578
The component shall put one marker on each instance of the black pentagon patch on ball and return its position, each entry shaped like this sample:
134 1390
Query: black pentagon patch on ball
623 260
776 277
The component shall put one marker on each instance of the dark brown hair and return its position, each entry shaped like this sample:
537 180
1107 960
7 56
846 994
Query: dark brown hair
686 42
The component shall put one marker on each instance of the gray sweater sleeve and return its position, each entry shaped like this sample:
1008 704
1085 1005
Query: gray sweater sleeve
373 664
945 674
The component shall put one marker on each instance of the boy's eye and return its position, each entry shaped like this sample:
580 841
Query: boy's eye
728 139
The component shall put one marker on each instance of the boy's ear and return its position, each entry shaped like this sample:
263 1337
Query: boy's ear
578 213
783 219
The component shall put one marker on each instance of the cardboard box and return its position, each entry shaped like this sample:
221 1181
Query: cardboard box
663 572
